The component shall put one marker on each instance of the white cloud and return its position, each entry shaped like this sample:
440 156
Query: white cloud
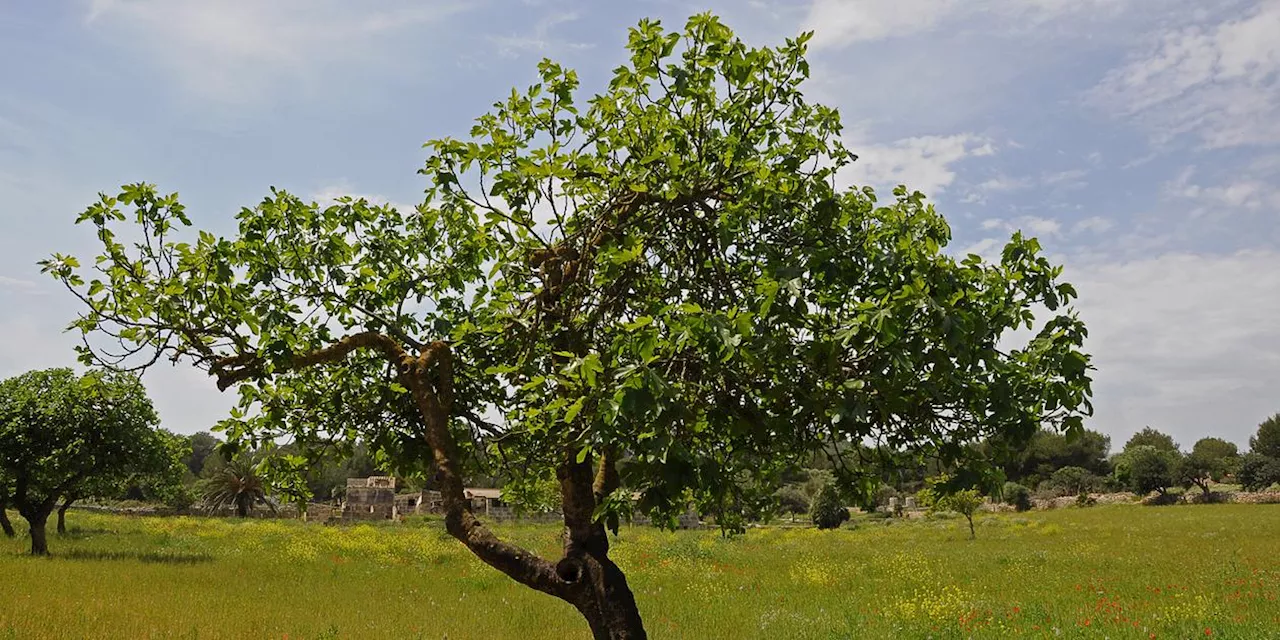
328 195
17 284
1001 183
1184 342
1218 83
837 23
840 22
1031 225
923 163
540 39
1096 224
1246 192
1069 178
231 50
987 248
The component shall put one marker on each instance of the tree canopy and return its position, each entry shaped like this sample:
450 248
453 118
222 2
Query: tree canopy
1151 437
1048 451
62 433
666 272
1267 439
1144 468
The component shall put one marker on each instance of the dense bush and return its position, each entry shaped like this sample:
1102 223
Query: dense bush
1070 481
1083 499
827 510
1017 495
792 499
1258 471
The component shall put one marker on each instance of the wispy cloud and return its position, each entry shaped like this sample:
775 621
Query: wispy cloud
922 163
232 50
540 39
837 23
1219 83
18 285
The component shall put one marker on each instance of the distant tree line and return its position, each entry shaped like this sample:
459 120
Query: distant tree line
1052 464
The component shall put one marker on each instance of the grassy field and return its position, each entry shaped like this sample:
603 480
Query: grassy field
1105 572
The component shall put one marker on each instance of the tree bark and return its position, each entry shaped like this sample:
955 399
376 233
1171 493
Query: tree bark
242 507
5 525
604 597
62 515
36 525
972 534
585 577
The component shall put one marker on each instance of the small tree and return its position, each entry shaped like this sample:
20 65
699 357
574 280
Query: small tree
964 502
1267 440
827 510
667 271
1144 468
61 433
1210 460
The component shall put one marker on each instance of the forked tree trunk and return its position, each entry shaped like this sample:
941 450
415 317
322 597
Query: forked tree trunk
585 577
62 515
603 597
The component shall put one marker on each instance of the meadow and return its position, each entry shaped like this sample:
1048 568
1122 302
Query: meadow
1104 572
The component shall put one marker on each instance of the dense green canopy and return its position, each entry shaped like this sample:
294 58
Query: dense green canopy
62 434
666 272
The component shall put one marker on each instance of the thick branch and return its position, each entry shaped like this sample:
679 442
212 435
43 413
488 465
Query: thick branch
430 378
247 366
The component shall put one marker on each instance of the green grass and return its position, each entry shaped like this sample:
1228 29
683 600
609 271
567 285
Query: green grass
1114 572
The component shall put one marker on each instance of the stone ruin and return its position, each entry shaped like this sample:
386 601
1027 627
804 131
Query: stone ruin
372 498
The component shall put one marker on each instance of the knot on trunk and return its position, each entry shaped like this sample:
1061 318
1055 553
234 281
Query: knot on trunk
570 570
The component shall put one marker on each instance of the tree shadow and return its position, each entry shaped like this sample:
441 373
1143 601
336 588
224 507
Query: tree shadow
157 557
77 533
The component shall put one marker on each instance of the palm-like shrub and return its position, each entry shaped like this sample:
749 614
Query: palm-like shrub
827 510
237 484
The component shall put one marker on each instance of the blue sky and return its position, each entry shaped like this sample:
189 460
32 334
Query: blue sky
1140 142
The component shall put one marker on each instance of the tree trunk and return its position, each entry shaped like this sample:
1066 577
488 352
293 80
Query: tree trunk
39 543
242 507
62 515
605 599
4 516
972 535
5 524
585 577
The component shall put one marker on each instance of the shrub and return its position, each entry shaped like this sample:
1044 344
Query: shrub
827 511
1085 500
1017 495
1162 500
792 499
1069 481
1257 472
1213 497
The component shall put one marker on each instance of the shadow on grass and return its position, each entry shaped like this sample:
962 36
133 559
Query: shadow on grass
157 557
77 533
